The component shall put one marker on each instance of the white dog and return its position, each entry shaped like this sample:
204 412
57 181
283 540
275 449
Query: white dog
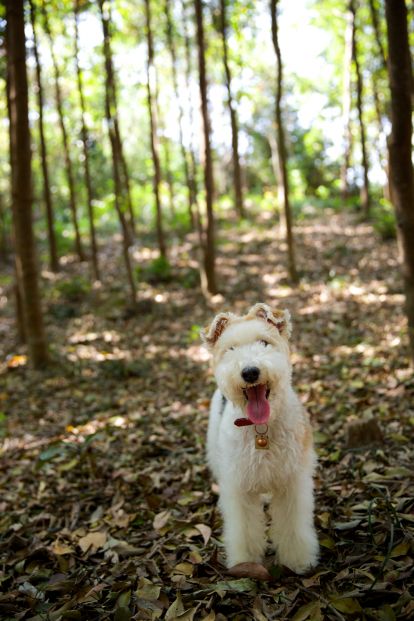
260 440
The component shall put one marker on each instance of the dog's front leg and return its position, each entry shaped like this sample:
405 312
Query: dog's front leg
293 531
244 525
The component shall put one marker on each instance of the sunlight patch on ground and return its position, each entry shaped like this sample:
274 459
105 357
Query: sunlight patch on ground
109 336
197 353
89 352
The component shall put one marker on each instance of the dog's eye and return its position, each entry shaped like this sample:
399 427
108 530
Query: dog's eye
230 348
265 343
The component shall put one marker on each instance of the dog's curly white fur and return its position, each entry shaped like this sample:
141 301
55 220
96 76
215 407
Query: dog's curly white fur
259 340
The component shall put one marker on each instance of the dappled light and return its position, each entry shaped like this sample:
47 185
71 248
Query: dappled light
169 165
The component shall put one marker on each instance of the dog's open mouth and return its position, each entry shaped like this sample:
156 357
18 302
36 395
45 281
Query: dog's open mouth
258 407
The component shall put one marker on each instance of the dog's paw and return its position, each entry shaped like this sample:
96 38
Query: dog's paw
300 554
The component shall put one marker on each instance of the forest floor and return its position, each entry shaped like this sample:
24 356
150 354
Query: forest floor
107 508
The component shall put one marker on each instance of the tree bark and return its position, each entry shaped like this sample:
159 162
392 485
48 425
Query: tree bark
365 194
402 177
237 179
192 166
4 239
209 245
20 156
85 140
168 173
66 152
184 155
346 106
152 111
281 146
375 23
116 159
124 178
47 195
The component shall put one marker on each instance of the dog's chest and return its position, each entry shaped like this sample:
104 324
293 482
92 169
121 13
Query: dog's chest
261 470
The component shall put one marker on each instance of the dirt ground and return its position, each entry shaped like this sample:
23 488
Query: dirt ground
107 508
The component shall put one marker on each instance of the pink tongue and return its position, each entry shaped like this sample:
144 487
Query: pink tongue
258 408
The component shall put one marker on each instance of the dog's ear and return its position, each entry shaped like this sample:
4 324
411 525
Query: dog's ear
211 333
280 319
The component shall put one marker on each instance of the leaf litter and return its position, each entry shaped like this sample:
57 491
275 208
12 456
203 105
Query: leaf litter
108 510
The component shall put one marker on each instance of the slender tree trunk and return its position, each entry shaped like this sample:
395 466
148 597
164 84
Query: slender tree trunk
365 195
375 23
4 241
66 152
20 155
152 110
116 160
209 246
379 109
281 147
168 173
192 166
47 195
346 106
85 140
171 46
237 180
402 176
124 178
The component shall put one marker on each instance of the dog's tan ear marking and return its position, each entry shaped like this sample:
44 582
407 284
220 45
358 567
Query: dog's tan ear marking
278 318
212 333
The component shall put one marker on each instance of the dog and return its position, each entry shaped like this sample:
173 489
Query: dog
259 440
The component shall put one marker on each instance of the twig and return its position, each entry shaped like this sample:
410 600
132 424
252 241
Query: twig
324 601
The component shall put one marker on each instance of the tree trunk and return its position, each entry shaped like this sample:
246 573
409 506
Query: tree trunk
237 180
116 159
171 46
192 167
402 177
379 109
85 140
365 195
66 152
346 106
167 167
47 196
281 147
152 111
124 179
375 23
4 239
209 246
20 156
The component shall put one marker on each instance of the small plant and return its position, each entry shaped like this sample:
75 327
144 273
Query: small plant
159 270
383 221
194 333
73 290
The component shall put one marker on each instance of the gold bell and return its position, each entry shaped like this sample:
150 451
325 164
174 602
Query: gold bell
262 442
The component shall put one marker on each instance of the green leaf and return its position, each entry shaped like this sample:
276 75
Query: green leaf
239 586
347 605
308 611
51 452
122 614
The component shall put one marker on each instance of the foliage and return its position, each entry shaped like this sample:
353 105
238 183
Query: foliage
383 220
159 270
73 289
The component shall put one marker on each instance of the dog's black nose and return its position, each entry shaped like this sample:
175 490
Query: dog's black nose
250 374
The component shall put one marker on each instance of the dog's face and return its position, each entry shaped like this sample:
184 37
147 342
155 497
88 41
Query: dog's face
251 358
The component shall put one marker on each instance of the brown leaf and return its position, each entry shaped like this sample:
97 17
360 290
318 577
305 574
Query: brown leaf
92 542
250 570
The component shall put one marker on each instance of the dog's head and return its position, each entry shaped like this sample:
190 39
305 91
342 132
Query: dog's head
251 357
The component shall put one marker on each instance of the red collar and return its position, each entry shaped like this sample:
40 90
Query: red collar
242 422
